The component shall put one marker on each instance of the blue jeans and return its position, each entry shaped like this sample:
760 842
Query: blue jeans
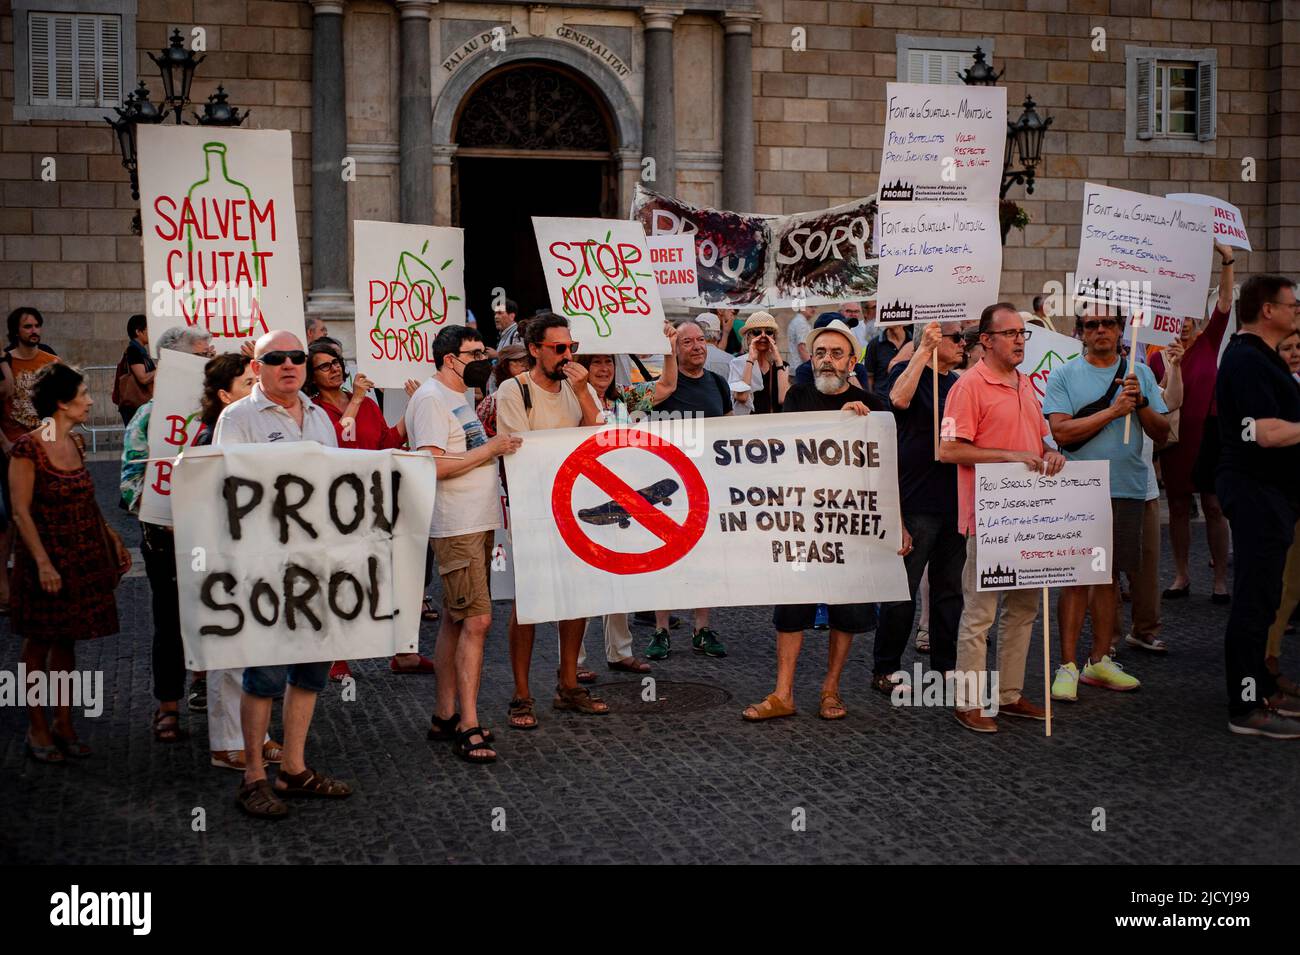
269 681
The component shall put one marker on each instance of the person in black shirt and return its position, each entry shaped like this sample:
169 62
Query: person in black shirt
1258 485
803 375
880 352
929 501
833 349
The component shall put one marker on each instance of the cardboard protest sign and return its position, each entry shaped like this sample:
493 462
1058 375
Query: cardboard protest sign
943 143
939 262
408 284
1046 350
294 552
673 259
748 261
1145 254
219 232
173 426
787 508
1229 223
599 277
1038 531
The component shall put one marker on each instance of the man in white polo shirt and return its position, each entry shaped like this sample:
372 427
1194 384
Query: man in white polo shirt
277 411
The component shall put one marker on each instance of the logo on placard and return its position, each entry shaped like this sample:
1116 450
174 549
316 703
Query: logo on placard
896 192
998 577
898 312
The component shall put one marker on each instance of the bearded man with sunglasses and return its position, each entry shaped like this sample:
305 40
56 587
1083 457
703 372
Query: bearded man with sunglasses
275 411
1086 403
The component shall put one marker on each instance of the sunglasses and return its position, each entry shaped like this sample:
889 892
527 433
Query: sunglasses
956 338
761 333
1093 324
276 358
561 348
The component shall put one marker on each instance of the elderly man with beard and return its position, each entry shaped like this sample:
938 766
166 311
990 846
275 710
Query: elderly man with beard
834 351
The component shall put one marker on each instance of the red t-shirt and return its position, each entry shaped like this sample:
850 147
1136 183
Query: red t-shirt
372 432
19 414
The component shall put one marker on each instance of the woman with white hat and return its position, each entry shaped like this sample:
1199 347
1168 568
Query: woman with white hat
759 379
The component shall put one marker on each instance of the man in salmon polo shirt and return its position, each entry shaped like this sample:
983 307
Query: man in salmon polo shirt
993 417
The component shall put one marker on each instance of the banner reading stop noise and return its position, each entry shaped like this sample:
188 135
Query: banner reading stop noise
782 509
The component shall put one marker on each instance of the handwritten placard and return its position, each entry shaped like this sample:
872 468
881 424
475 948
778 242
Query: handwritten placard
1045 351
672 257
939 262
1229 223
943 143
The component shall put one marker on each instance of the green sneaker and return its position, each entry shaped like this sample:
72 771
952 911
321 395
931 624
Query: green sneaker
1066 684
660 645
1106 672
706 641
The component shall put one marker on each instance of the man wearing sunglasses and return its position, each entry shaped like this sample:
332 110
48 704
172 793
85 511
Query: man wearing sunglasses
553 393
1086 404
1259 487
993 417
277 411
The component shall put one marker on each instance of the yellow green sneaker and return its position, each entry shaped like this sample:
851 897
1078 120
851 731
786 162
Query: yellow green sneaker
1066 684
1109 674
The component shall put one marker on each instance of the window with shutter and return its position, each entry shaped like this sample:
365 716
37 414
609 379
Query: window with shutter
1170 100
110 61
75 60
62 61
936 66
87 62
1146 120
39 44
1206 107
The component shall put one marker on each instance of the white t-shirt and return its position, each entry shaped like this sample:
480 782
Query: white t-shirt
795 333
256 419
470 502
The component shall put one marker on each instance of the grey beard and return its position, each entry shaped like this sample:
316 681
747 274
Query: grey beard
829 383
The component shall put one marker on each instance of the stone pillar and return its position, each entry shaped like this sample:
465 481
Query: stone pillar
738 113
442 157
658 129
329 297
1281 171
415 129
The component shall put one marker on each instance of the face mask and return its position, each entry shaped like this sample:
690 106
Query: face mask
477 373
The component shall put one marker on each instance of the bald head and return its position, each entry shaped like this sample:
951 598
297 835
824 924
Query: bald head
279 340
279 374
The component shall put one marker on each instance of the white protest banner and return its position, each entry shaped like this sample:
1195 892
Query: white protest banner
1146 254
599 277
408 284
219 231
1229 223
673 259
1046 350
770 509
943 143
501 579
297 553
1037 531
939 262
173 426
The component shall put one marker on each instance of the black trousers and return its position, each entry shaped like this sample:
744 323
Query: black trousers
1262 520
157 545
936 542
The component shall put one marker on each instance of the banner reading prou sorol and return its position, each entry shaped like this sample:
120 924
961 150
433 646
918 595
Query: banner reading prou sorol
296 553
219 232
789 508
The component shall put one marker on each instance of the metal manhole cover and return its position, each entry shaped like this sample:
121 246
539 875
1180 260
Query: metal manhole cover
626 697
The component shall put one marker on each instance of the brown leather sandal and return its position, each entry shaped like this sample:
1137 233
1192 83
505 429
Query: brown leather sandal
832 707
521 708
258 800
310 783
578 699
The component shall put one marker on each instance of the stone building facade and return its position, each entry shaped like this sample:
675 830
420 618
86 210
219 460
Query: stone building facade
481 114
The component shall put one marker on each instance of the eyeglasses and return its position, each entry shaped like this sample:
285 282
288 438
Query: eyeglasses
478 354
834 354
1092 324
1013 333
276 358
561 348
1290 305
327 365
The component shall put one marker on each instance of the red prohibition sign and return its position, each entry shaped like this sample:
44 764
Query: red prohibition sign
678 539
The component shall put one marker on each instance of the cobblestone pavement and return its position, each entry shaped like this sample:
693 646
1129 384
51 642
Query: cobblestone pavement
642 785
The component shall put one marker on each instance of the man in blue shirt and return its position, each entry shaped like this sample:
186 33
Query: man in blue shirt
1086 403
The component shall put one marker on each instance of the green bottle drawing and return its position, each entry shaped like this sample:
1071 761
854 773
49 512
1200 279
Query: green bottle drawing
600 317
415 273
220 191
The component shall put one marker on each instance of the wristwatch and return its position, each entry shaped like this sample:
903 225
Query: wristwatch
1143 403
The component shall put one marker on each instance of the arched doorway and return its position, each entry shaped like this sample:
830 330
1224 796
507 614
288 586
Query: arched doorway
533 138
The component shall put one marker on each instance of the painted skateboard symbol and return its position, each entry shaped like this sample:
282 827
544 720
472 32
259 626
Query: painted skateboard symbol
613 513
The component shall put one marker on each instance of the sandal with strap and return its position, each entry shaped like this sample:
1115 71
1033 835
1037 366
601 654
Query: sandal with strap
521 708
630 665
311 783
831 702
168 734
70 745
258 799
428 611
444 731
578 699
43 754
470 751
772 708
587 676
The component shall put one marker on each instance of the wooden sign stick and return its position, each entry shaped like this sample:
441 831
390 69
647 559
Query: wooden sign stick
936 404
1047 660
1132 355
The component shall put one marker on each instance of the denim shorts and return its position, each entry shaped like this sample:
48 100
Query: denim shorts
269 681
